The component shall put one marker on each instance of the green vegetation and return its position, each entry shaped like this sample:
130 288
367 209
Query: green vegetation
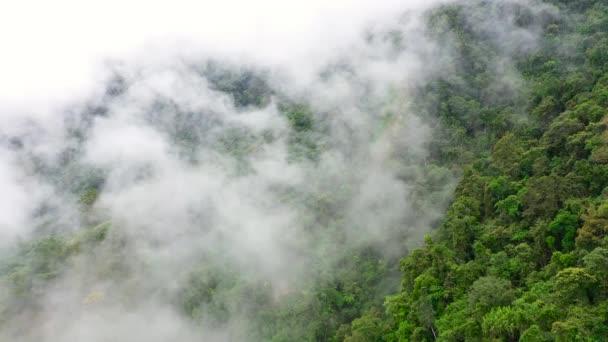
522 253
519 256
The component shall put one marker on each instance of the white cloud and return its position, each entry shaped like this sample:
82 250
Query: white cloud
53 51
56 53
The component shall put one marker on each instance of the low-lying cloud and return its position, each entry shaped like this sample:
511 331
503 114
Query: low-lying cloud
122 98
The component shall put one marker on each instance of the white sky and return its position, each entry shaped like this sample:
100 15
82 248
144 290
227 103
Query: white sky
51 51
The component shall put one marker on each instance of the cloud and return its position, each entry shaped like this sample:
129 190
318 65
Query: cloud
54 52
121 95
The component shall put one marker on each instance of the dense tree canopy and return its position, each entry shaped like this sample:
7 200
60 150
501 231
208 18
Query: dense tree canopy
522 246
521 254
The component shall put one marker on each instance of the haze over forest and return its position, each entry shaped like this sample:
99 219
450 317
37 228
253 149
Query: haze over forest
389 170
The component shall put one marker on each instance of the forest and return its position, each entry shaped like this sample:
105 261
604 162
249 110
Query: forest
471 206
521 254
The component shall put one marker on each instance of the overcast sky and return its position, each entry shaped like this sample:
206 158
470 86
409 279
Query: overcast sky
53 51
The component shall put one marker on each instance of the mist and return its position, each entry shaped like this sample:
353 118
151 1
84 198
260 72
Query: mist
254 145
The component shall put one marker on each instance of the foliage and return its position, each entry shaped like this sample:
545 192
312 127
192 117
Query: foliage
526 233
522 252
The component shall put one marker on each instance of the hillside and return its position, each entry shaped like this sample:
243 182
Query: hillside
445 178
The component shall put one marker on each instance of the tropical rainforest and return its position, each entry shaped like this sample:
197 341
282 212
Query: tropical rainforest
467 201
